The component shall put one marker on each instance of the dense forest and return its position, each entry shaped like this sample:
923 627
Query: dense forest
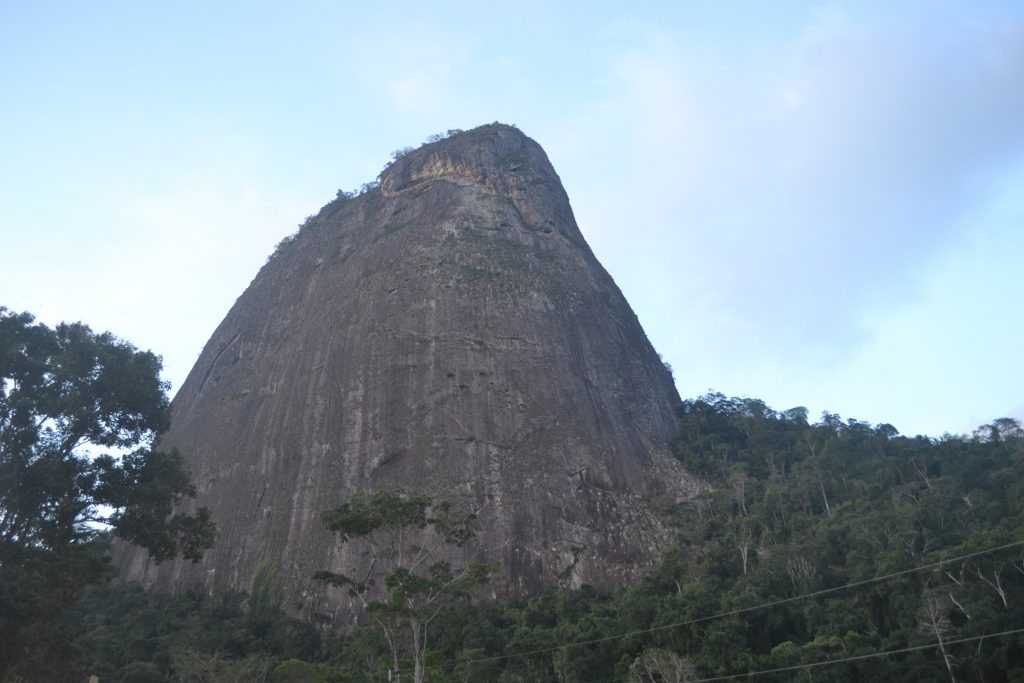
827 551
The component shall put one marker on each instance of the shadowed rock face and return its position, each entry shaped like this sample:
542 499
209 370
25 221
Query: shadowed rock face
452 334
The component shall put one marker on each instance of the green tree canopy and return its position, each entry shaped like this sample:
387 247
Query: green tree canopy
79 412
401 536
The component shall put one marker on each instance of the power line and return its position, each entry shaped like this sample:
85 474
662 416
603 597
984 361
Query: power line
872 655
730 613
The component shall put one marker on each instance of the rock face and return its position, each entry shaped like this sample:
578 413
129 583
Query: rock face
448 333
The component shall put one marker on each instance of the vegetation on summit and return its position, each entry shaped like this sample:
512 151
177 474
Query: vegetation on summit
343 196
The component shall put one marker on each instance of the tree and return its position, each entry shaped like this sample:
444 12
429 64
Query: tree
934 622
656 665
64 392
400 538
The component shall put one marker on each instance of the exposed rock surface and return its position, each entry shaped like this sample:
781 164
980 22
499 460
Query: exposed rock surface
450 333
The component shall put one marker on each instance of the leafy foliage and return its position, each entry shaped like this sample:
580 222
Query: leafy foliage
400 536
64 391
797 507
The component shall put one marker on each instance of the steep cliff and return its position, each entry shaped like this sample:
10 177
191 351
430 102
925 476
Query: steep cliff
448 333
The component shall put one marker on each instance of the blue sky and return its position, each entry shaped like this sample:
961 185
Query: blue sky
816 204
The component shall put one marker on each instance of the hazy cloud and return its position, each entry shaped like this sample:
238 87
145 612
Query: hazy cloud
158 265
802 187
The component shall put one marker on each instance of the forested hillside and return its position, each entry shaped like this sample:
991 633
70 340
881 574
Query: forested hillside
825 541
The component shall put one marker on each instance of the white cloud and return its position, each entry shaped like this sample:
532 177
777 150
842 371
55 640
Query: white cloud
162 267
826 177
770 205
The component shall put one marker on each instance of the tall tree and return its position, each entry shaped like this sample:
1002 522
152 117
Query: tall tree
400 537
79 412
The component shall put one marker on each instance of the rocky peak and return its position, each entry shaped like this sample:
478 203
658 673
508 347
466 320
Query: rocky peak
453 335
499 158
